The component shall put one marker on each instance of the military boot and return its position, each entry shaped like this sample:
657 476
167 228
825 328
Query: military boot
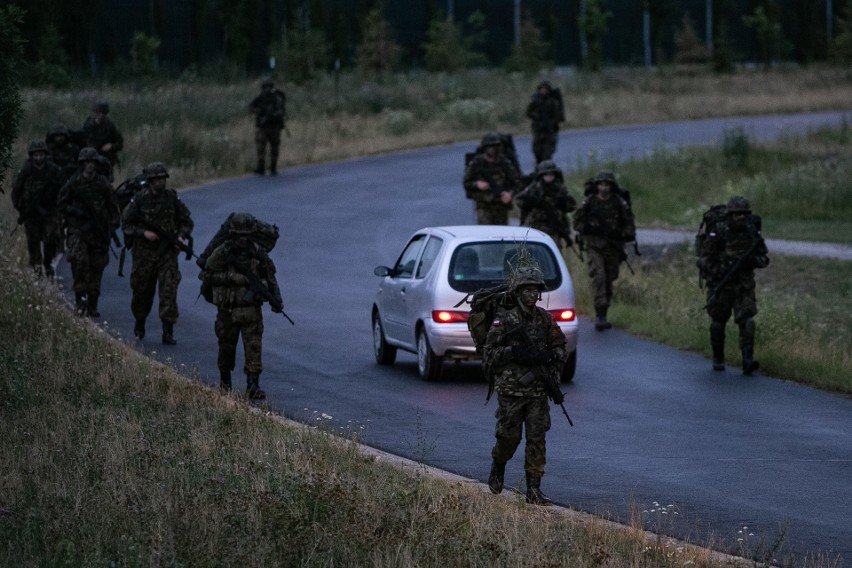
273 168
253 390
747 346
534 494
225 380
48 272
139 329
168 333
717 342
601 322
92 306
495 478
261 166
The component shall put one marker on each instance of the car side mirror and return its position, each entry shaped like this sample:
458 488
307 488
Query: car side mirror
382 271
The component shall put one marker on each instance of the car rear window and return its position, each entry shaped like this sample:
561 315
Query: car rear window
474 266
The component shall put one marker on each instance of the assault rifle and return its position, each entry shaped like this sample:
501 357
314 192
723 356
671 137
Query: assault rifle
256 287
613 239
168 239
551 385
711 296
91 222
27 213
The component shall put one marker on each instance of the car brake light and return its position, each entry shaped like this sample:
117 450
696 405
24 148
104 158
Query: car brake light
447 316
563 315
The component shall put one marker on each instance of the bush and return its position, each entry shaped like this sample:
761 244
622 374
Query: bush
472 114
736 147
143 53
399 122
11 18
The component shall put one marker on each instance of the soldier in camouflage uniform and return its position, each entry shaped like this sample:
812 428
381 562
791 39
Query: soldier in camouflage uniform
605 223
155 261
63 150
491 180
89 211
522 401
34 193
270 114
737 238
239 306
546 112
100 133
545 204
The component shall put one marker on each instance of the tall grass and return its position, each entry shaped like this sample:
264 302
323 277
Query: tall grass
202 130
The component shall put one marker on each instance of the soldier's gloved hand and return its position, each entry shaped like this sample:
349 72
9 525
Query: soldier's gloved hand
521 354
237 278
278 309
540 357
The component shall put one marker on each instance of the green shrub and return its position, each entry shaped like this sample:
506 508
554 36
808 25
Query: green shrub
399 122
472 114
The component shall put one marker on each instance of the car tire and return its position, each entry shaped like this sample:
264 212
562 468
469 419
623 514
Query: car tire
429 365
385 353
569 368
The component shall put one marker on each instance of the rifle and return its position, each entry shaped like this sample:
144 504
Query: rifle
551 386
26 214
256 287
167 238
86 213
711 296
122 256
614 240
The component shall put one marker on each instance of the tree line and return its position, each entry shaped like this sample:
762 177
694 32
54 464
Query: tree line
300 38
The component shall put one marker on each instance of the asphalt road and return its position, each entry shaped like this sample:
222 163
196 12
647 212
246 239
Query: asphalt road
653 424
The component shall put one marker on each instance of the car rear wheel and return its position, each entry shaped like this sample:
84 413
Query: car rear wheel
569 368
429 365
384 352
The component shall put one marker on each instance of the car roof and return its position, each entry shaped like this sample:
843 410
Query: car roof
487 232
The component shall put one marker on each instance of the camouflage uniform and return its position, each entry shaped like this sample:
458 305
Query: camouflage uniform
98 131
495 169
155 262
509 358
34 193
238 312
604 225
89 211
719 252
545 205
546 112
269 108
63 151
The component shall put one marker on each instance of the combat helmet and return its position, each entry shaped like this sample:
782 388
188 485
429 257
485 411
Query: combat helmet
242 224
737 204
37 146
266 82
155 170
58 129
546 167
606 175
88 154
101 106
526 276
491 139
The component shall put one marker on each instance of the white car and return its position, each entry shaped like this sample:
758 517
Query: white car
416 303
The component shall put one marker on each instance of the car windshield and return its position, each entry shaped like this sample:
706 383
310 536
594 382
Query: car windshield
485 264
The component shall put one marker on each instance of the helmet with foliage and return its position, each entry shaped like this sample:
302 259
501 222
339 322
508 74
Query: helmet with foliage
492 139
101 106
605 175
526 276
546 167
737 204
242 224
155 170
37 146
88 154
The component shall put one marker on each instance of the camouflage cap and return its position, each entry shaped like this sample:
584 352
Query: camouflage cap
737 204
37 146
88 154
155 170
242 224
